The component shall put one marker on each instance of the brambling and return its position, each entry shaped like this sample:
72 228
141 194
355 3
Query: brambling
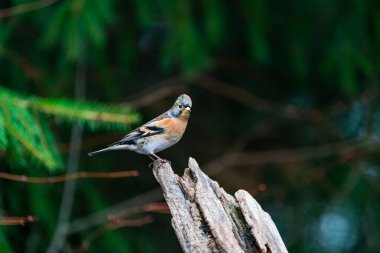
158 134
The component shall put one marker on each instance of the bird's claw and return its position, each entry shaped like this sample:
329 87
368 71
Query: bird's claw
164 161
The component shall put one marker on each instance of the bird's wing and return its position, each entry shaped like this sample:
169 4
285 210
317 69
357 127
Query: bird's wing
153 127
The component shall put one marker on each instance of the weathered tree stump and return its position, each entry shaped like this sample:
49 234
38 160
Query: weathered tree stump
207 219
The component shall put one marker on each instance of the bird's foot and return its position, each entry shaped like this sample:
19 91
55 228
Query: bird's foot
158 158
165 161
162 161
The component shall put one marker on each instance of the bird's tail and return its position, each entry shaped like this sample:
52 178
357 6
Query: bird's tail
101 150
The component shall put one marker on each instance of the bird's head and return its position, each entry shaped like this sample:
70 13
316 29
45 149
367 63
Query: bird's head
181 107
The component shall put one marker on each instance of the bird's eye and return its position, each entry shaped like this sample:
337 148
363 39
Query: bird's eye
180 106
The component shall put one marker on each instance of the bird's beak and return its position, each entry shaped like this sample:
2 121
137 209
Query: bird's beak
187 110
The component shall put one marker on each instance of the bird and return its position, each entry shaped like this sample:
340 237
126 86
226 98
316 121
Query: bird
158 134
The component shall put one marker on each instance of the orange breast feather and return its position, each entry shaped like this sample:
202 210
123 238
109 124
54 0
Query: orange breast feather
173 126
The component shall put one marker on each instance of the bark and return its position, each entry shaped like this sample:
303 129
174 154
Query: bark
207 219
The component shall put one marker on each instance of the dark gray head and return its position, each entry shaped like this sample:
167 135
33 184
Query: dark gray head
181 107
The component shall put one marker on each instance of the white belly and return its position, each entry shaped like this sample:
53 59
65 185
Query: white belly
155 145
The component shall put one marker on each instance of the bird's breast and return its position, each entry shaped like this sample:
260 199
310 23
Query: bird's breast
178 126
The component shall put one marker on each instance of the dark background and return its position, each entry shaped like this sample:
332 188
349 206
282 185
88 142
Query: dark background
285 105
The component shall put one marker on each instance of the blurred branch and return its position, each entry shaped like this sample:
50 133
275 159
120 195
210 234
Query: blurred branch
344 149
90 142
123 219
156 208
70 176
150 207
137 222
172 86
30 70
16 221
100 217
69 188
235 148
112 225
230 63
24 8
255 102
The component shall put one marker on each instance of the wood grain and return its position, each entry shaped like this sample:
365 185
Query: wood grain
207 219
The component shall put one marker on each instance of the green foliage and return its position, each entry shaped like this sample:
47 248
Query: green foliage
183 46
74 23
111 239
4 35
256 14
214 21
3 134
26 137
93 115
41 207
4 245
